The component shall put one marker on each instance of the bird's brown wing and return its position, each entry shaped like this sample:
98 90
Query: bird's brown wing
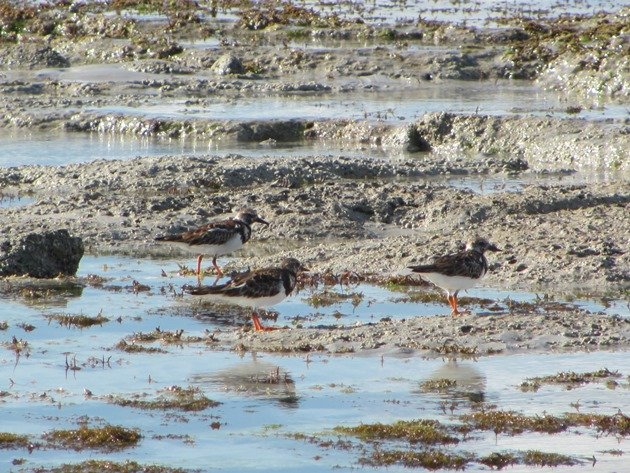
261 283
465 263
214 233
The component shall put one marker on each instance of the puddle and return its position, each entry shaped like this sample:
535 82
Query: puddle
56 149
477 13
264 398
349 304
393 106
387 12
330 44
8 200
492 184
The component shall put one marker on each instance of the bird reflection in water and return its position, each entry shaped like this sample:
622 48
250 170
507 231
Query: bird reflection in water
456 381
254 378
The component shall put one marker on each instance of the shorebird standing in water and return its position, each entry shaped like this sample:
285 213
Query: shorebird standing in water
257 289
216 238
458 271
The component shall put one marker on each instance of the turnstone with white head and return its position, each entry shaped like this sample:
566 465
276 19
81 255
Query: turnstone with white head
458 271
257 289
216 238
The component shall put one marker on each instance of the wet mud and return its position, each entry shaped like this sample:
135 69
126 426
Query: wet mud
399 172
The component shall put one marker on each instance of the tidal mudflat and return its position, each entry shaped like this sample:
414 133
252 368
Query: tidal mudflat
371 136
126 350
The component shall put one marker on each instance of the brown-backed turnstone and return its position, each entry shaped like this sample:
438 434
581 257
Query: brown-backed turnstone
257 289
458 271
216 238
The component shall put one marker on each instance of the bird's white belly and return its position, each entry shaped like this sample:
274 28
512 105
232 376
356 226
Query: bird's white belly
233 244
450 283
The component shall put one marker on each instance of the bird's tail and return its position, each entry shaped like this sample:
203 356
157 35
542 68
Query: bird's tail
423 268
165 238
204 290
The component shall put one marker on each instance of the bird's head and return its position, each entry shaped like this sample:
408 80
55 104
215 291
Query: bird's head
293 265
249 216
481 245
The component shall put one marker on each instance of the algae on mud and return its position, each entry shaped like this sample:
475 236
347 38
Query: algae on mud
175 397
421 431
134 343
569 379
572 234
128 466
12 441
80 321
107 438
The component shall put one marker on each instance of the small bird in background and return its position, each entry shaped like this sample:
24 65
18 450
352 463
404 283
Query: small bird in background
458 271
257 289
216 238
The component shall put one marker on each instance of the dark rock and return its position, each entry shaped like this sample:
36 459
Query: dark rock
287 130
170 203
228 64
466 328
34 56
42 255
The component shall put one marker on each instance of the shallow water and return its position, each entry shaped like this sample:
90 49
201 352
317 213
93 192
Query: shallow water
14 200
471 13
248 431
511 97
317 393
372 101
21 147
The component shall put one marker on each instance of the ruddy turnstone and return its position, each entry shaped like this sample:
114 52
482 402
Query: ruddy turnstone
458 271
257 289
216 238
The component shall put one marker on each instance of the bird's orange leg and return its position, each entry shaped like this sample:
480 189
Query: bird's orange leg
454 305
452 301
199 258
258 326
216 266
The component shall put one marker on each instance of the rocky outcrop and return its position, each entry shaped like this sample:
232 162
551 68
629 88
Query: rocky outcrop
228 64
42 255
32 56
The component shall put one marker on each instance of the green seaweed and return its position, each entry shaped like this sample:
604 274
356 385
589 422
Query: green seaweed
615 424
164 336
327 298
511 423
429 459
499 460
128 466
415 431
81 321
437 385
569 378
132 343
106 438
10 441
535 457
134 348
175 397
